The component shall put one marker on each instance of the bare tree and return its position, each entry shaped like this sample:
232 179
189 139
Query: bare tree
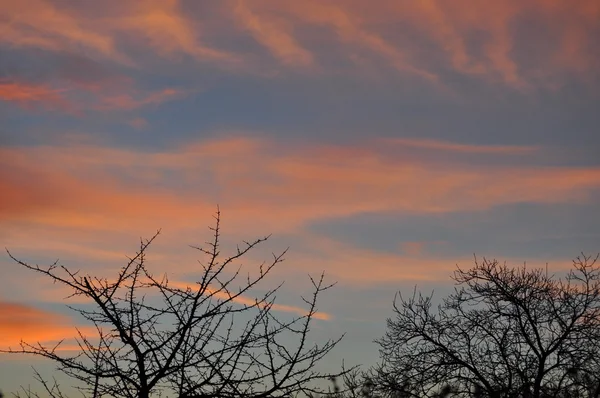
503 332
209 340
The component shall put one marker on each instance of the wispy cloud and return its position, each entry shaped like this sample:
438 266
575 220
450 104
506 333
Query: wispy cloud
472 38
77 99
249 301
42 24
285 188
382 142
129 102
438 145
30 96
346 23
475 39
138 123
275 36
20 322
167 30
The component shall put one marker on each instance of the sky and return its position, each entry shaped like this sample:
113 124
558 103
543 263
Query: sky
383 142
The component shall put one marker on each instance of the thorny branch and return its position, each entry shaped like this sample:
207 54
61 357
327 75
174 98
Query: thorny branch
207 340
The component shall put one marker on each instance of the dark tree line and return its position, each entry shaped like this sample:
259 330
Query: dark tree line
157 338
504 332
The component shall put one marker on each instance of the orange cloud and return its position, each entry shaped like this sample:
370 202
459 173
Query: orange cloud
85 97
28 95
91 202
489 40
167 30
412 248
275 36
422 39
285 188
23 322
56 293
577 24
128 102
43 24
138 123
245 300
349 26
357 266
494 19
349 264
39 23
51 194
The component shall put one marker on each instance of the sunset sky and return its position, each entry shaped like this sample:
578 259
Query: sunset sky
384 142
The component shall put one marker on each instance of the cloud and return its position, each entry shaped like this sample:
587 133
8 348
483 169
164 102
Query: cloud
245 300
90 202
167 30
138 123
346 23
357 266
128 102
412 262
32 325
30 95
285 187
431 40
489 41
57 293
446 146
47 194
78 99
413 248
497 52
40 24
44 24
275 36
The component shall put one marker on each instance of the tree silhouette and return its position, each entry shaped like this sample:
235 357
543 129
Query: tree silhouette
503 332
207 340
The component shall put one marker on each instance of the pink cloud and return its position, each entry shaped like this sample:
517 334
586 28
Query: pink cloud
128 102
29 95
413 248
275 35
42 24
79 98
138 123
435 36
90 202
165 27
285 188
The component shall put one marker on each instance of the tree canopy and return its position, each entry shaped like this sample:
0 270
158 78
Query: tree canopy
209 339
503 332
